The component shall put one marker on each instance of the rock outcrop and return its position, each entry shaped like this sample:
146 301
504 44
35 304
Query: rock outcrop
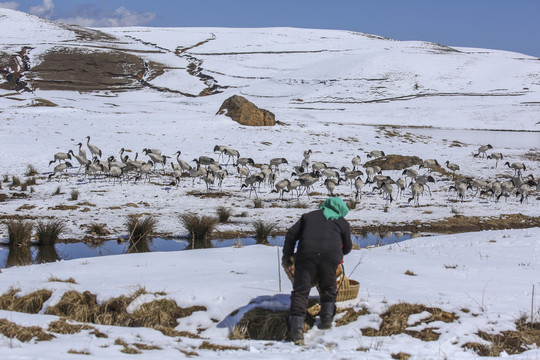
245 112
394 162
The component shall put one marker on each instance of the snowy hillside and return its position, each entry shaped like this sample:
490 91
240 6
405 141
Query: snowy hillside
338 93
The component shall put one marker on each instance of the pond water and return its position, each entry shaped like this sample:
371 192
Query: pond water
40 254
497 139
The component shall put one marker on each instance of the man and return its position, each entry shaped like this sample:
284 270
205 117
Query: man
323 238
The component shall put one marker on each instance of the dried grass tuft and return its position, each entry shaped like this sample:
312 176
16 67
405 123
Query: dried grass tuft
19 232
63 327
265 324
31 170
140 230
395 321
56 279
23 333
98 229
199 227
511 342
257 203
223 214
350 316
159 314
49 232
30 304
15 181
209 346
74 195
263 230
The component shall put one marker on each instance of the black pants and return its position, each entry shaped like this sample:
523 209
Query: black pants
306 269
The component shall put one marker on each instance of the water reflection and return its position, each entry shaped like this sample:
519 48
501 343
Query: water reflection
46 253
17 256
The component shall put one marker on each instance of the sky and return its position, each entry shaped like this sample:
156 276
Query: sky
493 24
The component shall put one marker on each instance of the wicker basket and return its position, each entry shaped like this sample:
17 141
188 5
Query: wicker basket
347 288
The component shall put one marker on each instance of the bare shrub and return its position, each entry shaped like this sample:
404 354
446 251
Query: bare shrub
19 232
199 227
263 230
257 204
48 232
351 204
223 214
58 191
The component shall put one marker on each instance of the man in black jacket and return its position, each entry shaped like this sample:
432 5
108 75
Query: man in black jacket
323 238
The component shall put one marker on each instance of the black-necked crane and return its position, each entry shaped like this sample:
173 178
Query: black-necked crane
60 168
94 150
517 166
375 154
497 156
61 156
482 150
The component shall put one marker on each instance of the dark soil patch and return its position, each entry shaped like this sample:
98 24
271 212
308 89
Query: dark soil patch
394 162
457 224
210 194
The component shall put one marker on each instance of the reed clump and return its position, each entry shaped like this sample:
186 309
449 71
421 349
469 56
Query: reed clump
224 214
49 232
19 232
263 230
140 229
199 227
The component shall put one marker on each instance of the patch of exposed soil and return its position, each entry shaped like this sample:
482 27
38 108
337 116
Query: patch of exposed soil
457 224
65 68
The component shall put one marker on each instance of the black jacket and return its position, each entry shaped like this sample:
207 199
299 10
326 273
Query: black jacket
315 234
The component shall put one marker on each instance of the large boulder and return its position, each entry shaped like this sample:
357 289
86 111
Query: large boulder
394 162
245 112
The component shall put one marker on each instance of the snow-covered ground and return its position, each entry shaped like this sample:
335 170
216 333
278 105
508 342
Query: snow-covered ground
485 278
338 93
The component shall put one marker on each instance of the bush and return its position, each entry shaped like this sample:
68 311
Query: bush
140 230
48 232
19 232
199 227
223 214
263 230
257 204
58 191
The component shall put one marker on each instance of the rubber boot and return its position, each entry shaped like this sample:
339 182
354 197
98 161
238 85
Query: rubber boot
296 329
328 310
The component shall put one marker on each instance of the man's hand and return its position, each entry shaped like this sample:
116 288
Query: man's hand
286 261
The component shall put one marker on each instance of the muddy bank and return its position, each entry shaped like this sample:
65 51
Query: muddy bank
456 224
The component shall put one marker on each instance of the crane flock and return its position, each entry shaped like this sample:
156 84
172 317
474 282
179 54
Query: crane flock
280 177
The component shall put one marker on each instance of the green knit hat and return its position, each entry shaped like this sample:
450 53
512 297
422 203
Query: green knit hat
334 208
